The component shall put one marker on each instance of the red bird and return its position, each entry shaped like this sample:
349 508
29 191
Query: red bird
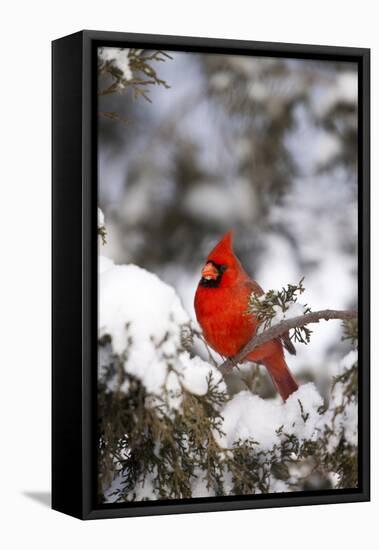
221 303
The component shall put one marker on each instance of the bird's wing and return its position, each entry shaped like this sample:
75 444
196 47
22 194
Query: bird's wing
253 286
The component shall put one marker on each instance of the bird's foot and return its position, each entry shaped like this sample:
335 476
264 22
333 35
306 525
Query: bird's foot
232 363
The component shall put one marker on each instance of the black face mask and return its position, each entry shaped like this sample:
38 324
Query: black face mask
214 283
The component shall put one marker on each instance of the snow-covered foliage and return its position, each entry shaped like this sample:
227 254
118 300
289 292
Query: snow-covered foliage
169 428
120 68
273 307
100 218
146 325
119 59
101 231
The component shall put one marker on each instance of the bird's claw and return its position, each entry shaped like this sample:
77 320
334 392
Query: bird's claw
232 362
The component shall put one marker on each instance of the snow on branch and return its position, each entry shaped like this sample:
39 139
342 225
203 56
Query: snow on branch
282 328
120 69
101 230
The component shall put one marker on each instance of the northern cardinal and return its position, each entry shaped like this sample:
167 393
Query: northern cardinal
221 304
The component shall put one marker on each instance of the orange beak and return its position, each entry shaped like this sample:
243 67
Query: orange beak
209 272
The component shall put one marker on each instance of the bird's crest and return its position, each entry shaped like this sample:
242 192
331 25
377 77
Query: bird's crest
223 251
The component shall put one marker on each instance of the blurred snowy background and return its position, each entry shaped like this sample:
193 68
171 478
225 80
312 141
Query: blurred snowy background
267 146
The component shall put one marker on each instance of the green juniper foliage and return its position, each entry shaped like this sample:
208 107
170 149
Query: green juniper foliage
143 72
141 75
102 233
267 306
351 331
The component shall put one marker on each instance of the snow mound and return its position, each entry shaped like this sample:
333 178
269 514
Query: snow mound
130 295
100 218
145 320
247 416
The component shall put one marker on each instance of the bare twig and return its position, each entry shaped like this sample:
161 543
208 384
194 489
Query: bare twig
210 356
283 327
113 116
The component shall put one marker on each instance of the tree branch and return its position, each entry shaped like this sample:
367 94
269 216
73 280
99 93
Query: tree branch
283 327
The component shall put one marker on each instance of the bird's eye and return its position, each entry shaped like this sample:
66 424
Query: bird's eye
223 268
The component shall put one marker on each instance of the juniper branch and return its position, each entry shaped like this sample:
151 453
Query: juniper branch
281 328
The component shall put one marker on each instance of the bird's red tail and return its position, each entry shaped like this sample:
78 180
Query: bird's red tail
284 382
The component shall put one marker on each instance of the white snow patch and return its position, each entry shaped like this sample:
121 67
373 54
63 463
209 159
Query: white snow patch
117 57
104 264
343 89
140 313
100 218
194 373
346 421
325 148
294 310
247 416
130 294
145 318
278 486
199 485
349 359
349 423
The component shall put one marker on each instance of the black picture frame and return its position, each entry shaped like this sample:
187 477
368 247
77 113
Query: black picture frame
74 273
